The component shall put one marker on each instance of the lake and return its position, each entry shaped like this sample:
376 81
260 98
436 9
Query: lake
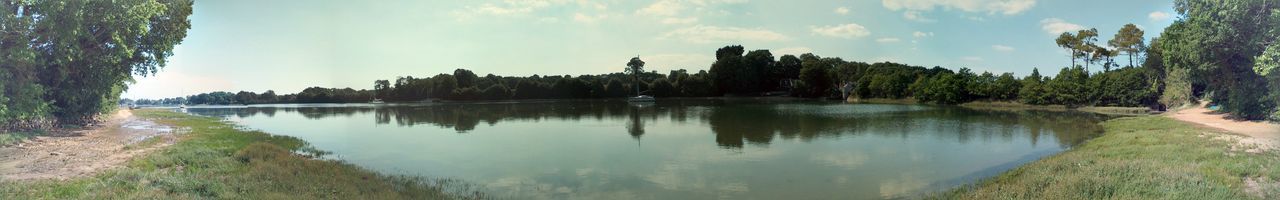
679 149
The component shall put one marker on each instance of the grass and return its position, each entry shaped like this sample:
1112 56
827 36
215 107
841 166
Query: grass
215 160
9 138
1150 157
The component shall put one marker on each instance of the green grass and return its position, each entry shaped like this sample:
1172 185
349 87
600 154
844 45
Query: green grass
1149 157
8 138
215 160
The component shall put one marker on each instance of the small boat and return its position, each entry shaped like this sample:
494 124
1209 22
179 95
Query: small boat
377 101
641 98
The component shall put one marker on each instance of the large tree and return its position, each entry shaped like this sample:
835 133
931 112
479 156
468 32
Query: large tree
1087 46
1069 42
1213 47
1129 41
635 67
86 51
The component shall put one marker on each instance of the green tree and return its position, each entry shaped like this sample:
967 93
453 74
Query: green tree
1129 40
1071 43
635 67
727 72
759 73
1087 46
464 78
1213 46
1069 87
1034 90
1006 87
813 76
88 50
382 88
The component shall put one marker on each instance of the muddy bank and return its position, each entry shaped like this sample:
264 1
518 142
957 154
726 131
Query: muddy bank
83 152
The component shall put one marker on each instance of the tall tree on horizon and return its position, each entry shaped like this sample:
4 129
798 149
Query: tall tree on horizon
1086 44
1128 40
1071 43
635 67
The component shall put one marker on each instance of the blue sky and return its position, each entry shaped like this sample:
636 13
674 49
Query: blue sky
288 45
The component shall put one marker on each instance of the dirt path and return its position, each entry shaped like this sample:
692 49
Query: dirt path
83 152
1265 135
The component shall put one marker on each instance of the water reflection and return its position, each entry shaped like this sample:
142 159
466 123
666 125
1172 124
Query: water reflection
681 149
734 125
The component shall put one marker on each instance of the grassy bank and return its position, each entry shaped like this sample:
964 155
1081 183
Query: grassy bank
215 160
1150 157
10 138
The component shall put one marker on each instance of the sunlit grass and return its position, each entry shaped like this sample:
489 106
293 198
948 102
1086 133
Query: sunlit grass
1139 158
215 160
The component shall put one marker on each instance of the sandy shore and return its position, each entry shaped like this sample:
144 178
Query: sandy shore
1264 134
83 152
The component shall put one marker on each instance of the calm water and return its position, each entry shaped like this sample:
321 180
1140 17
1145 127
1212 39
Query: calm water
682 149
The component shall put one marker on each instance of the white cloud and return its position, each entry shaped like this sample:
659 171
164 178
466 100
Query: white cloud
1055 26
919 34
683 11
916 16
1004 7
1159 16
520 8
791 51
846 31
842 10
710 34
550 20
668 8
662 8
971 58
888 40
677 20
584 18
1002 48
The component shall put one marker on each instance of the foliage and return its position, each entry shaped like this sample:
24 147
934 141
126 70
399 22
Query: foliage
813 77
1034 91
1213 47
1128 40
1069 87
71 59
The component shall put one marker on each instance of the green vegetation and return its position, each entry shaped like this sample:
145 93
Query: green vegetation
1217 50
69 60
8 138
219 161
1149 157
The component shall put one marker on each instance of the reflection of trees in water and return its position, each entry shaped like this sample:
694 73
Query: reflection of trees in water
735 124
635 123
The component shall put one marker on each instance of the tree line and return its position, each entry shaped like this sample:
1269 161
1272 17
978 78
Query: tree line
68 61
1224 52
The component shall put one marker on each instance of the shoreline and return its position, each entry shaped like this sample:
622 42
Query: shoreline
1144 157
1015 106
214 158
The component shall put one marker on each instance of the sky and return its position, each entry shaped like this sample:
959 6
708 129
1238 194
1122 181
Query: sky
288 45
